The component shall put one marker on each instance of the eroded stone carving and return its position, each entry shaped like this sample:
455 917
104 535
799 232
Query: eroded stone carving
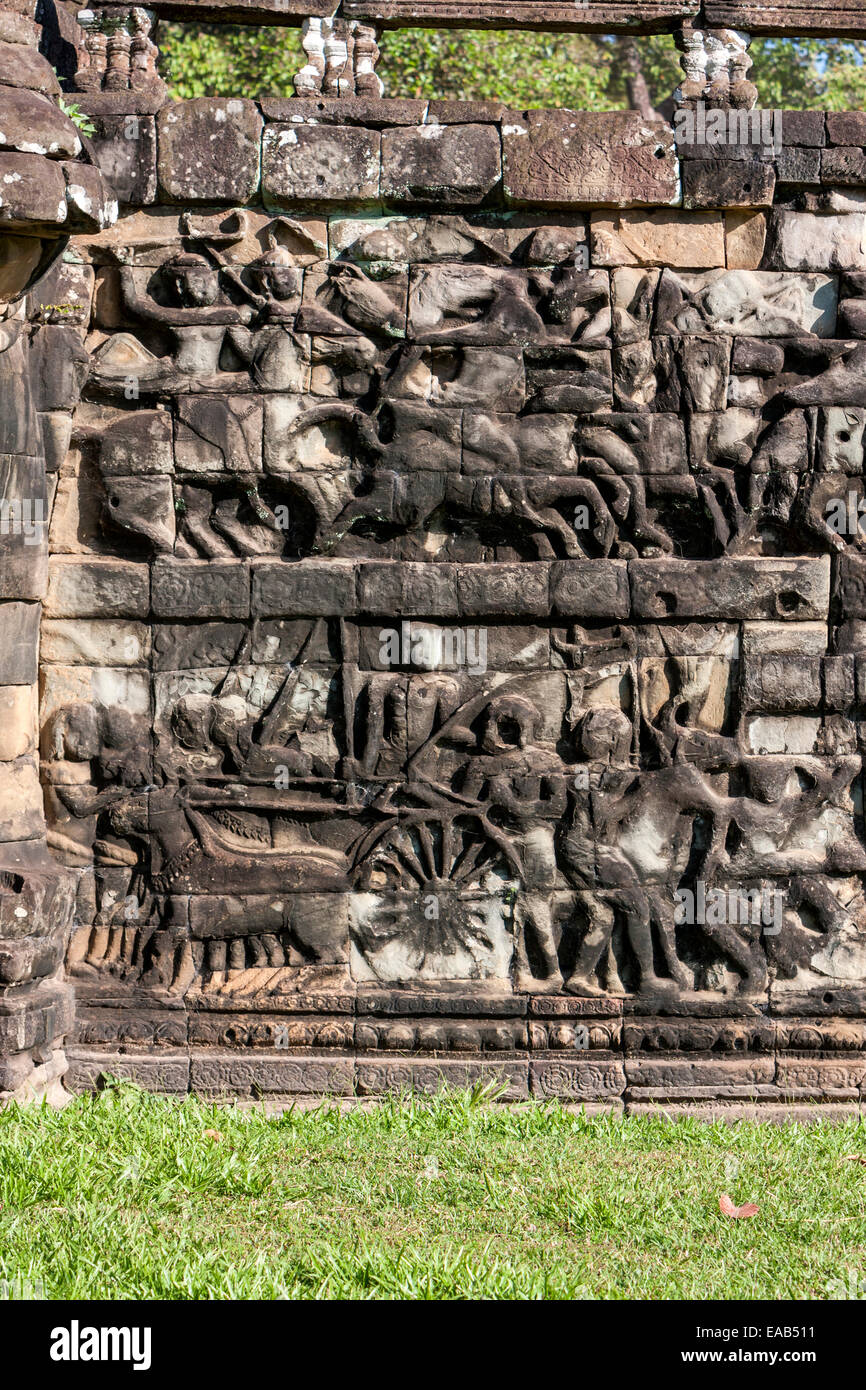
455 618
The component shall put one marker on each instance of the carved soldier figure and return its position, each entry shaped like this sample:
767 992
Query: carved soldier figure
594 857
522 787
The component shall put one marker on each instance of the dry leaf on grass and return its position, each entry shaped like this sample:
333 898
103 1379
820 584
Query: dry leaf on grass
727 1208
213 1134
854 1158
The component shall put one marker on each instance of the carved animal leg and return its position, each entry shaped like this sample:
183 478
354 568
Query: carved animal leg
184 973
196 524
638 926
378 688
594 945
644 530
534 918
661 912
746 955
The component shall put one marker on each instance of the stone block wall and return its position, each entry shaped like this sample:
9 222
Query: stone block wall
48 189
452 660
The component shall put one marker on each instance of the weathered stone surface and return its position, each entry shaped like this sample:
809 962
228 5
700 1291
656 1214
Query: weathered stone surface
209 150
91 205
615 159
773 589
745 237
94 642
433 591
23 67
845 165
805 128
450 112
846 127
761 303
728 183
124 148
20 802
97 589
32 124
17 721
346 110
19 623
787 16
458 163
589 589
319 165
805 240
32 190
317 588
190 589
658 238
799 166
545 14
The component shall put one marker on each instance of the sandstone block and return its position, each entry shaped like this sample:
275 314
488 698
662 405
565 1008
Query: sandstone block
209 150
694 242
318 165
440 163
557 158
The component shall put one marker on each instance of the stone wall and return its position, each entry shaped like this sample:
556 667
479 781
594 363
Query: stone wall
452 658
48 189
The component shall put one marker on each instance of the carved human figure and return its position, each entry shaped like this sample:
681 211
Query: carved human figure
269 346
595 858
521 785
196 321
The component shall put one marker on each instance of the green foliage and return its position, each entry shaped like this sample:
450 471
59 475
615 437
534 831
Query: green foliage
78 118
523 69
132 1196
809 74
206 60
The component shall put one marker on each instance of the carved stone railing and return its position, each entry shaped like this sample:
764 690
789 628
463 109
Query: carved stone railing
118 48
636 16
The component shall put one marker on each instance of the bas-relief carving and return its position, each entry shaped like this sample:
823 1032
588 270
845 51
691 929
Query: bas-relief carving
621 477
552 813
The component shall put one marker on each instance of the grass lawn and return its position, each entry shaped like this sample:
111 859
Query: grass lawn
126 1195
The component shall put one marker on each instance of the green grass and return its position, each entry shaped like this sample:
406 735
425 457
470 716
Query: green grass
124 1195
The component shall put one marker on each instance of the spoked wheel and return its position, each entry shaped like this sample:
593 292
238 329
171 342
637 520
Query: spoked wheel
424 849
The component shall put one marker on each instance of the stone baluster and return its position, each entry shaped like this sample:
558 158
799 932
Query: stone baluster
144 52
119 51
366 55
338 80
91 74
715 63
341 59
308 82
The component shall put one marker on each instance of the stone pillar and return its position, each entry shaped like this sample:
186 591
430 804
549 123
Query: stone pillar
48 191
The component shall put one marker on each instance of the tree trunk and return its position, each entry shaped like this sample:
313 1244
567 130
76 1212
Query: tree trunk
639 98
